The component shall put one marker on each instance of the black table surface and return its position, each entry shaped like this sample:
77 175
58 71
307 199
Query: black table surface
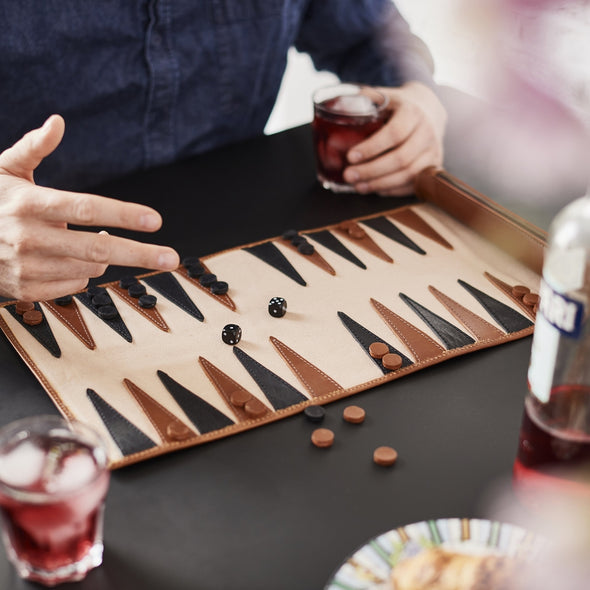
265 509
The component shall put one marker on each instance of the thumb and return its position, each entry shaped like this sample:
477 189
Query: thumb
26 154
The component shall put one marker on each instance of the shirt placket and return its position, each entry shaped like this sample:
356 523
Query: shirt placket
159 135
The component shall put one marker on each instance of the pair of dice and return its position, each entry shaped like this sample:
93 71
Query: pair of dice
232 333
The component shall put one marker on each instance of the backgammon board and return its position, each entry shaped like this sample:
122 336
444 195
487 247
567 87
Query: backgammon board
250 335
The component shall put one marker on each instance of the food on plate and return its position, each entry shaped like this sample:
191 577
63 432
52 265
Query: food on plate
440 569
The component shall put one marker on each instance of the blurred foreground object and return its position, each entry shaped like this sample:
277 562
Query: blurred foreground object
554 445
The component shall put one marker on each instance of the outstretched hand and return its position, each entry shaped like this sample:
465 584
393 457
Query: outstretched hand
388 161
40 258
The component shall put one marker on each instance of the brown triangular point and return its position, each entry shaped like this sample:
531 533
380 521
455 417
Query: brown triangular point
507 290
314 380
169 427
315 257
225 299
69 315
479 327
411 219
152 314
422 346
245 405
354 232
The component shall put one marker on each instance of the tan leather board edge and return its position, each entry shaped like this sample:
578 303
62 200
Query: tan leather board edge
505 229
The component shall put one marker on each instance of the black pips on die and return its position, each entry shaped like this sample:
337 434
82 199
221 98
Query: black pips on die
231 334
277 307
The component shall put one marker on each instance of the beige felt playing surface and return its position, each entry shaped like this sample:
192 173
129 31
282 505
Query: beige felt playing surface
311 327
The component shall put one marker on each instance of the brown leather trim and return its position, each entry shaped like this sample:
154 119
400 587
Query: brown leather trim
357 235
521 239
224 299
479 327
169 427
153 315
70 316
226 387
421 345
411 219
507 290
314 379
316 257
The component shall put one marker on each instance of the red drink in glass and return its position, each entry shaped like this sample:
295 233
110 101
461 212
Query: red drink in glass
554 450
344 115
53 483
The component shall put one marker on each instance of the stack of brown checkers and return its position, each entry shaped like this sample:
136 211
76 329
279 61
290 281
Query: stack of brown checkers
31 316
353 414
520 291
385 456
378 350
322 438
21 307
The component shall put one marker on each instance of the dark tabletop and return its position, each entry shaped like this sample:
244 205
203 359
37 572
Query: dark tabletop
264 509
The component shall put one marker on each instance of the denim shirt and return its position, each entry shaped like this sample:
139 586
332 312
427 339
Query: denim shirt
142 83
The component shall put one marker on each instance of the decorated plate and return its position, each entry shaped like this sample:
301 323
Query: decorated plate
369 568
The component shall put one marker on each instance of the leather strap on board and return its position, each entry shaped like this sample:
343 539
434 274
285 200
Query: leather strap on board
523 240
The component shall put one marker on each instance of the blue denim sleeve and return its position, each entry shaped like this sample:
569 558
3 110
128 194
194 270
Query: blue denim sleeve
365 41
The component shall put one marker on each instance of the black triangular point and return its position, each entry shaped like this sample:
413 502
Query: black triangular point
201 413
449 334
279 393
391 231
328 240
127 436
269 253
167 285
115 323
508 318
41 332
365 338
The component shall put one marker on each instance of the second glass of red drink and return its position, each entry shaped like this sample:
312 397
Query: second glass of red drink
53 483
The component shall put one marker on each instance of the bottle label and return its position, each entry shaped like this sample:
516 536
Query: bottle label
561 311
559 315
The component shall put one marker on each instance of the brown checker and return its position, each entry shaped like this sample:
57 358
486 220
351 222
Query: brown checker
509 291
421 345
169 427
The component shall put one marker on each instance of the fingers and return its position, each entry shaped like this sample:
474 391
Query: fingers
57 206
25 155
388 161
395 132
43 291
53 242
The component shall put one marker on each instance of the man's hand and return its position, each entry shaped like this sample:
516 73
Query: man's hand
40 258
387 162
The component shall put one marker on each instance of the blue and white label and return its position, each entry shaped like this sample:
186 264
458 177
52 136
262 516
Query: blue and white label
561 311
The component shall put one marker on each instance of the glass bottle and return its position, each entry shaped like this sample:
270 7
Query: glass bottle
554 443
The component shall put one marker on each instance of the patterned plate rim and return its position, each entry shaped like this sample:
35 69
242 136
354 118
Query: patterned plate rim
370 566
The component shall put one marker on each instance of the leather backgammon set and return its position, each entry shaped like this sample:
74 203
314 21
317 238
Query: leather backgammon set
239 338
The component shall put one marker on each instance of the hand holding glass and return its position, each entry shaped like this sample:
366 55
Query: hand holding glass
344 115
